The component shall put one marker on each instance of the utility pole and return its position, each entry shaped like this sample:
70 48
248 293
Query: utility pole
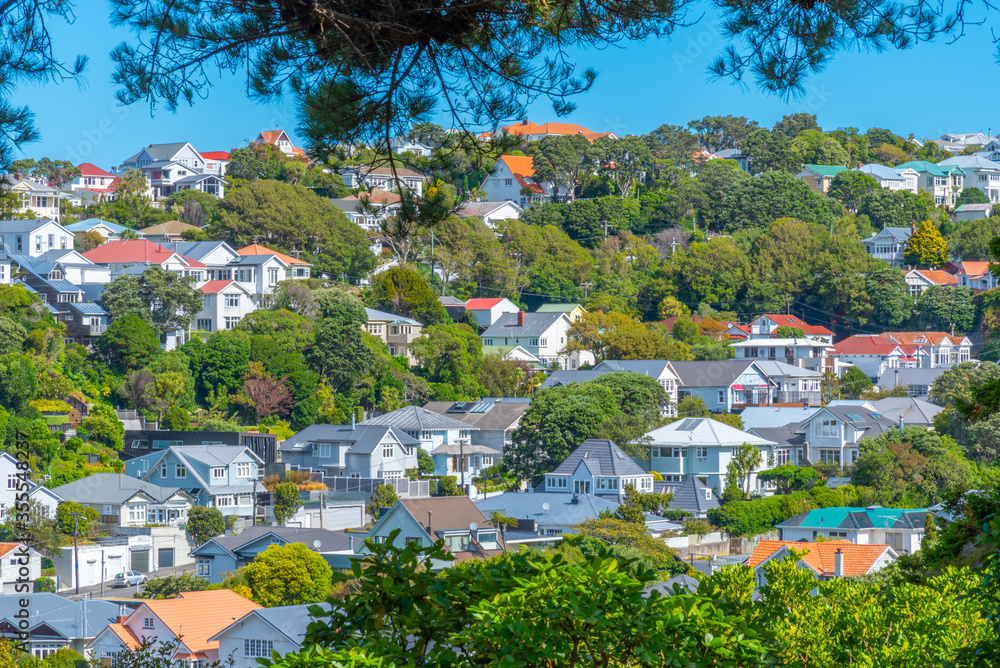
606 224
254 504
586 285
76 552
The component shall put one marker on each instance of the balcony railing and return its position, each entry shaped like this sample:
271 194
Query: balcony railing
792 397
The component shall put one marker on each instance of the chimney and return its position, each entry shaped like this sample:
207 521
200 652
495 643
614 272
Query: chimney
900 423
429 530
838 563
520 318
913 228
351 542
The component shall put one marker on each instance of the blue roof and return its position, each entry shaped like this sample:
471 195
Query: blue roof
91 223
88 308
62 286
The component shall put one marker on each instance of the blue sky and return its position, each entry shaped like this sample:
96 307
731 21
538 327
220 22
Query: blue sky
928 90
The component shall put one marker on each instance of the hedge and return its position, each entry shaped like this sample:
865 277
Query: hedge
748 518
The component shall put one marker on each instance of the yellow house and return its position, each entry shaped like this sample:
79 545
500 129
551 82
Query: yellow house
573 311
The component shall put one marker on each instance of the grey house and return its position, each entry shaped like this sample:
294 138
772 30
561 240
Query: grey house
53 622
917 382
691 494
129 501
353 451
494 419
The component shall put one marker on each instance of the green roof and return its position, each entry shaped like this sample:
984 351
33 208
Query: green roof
881 518
930 168
825 170
556 308
503 350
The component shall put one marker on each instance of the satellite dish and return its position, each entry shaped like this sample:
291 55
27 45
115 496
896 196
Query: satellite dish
317 544
546 506
473 526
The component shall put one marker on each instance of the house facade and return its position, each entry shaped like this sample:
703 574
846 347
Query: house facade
296 269
944 182
766 327
702 448
129 502
724 386
891 178
11 476
224 304
889 245
944 350
598 467
825 560
806 353
488 310
979 173
398 180
819 177
512 180
544 335
174 167
495 419
491 212
51 622
920 280
260 632
34 238
353 451
396 332
216 475
36 199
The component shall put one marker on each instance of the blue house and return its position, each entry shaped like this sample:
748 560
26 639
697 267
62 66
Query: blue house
725 385
598 467
353 451
224 554
217 476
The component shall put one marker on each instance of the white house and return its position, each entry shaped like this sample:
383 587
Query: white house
826 560
9 491
127 501
702 448
765 327
37 199
807 353
920 280
5 269
280 140
889 244
14 558
134 256
174 167
543 335
979 173
262 631
900 529
384 178
944 182
487 310
54 622
598 467
109 231
512 180
191 619
94 179
33 237
891 178
402 145
491 213
224 304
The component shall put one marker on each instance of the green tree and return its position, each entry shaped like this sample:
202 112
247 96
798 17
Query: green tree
769 151
755 203
850 187
227 357
287 501
889 294
161 298
621 162
793 124
384 496
18 381
855 382
402 291
290 332
942 307
716 133
170 586
451 354
716 179
131 198
971 241
340 353
85 518
788 478
128 344
816 148
926 247
562 160
288 575
505 378
204 523
746 458
630 509
103 425
972 195
256 161
290 218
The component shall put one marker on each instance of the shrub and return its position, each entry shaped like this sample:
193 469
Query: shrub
748 518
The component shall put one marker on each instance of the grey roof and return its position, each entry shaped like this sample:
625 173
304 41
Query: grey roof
196 178
415 418
91 223
691 495
906 377
774 416
161 151
289 620
61 285
112 488
195 249
601 457
22 226
710 373
448 300
898 233
702 432
913 411
62 615
255 259
560 378
467 449
535 324
774 369
363 438
481 208
496 414
788 434
562 510
88 308
686 583
729 154
652 368
881 171
391 317
971 162
330 541
92 291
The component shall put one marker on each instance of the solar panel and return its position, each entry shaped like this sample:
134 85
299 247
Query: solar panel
687 424
482 407
854 416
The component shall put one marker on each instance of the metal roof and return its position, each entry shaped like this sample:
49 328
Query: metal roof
415 418
703 431
391 317
535 325
481 414
362 438
602 457
112 488
711 373
873 517
62 615
88 308
562 510
905 377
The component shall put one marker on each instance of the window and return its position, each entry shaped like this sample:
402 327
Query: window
826 428
232 301
231 322
543 342
12 481
323 450
243 470
17 242
490 537
163 470
147 623
830 457
52 241
244 500
533 342
218 472
137 513
272 276
38 243
180 471
204 567
457 542
223 500
387 450
255 647
722 396
780 457
204 324
702 453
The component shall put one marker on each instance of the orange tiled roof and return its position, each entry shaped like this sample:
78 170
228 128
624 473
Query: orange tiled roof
913 338
7 547
529 128
196 616
377 196
971 268
523 168
864 344
125 634
937 277
791 321
257 249
271 136
858 559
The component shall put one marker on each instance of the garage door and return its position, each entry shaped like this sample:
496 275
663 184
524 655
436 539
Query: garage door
140 561
165 557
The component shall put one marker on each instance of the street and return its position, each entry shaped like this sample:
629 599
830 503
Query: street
123 592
